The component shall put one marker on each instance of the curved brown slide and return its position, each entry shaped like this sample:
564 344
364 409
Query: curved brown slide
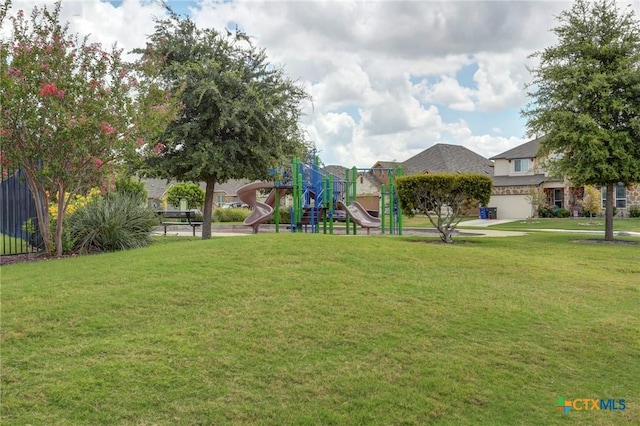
359 214
260 212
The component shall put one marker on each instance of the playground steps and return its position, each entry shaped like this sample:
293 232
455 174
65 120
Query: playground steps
306 215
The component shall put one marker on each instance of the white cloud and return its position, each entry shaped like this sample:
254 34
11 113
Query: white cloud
394 62
501 79
447 91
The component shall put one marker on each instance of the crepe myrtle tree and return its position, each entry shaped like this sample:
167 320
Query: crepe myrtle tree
241 114
71 110
585 97
443 197
591 201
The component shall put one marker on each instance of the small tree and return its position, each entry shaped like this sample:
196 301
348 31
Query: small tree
537 198
591 201
188 191
71 111
443 197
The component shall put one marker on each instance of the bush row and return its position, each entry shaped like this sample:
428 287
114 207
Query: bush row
285 217
239 215
546 211
230 215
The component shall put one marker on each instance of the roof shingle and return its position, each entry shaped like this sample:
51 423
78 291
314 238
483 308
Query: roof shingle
445 158
526 150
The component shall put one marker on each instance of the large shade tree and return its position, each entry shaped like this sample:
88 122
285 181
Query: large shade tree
585 97
241 113
70 110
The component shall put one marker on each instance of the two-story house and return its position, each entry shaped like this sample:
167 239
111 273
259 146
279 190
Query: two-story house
519 175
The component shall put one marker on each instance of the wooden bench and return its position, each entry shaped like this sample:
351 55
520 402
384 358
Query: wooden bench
189 215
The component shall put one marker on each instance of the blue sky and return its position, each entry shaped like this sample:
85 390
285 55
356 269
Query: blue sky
388 79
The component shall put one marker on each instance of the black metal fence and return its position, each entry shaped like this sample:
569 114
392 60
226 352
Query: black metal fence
18 219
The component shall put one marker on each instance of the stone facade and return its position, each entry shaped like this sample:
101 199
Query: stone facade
633 195
511 190
572 196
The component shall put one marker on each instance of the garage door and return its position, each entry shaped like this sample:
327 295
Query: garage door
511 206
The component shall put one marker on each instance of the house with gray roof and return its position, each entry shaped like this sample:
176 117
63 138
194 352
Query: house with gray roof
517 176
440 158
223 192
446 158
520 177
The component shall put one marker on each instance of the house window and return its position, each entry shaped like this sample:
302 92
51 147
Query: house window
621 196
220 200
558 197
521 165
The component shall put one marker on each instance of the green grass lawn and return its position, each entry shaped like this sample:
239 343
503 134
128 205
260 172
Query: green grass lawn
582 223
317 329
11 245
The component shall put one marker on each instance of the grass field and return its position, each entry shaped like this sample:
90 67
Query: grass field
587 224
319 329
11 245
582 223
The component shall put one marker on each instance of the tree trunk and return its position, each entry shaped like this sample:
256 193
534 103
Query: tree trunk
445 235
208 209
42 207
608 213
60 222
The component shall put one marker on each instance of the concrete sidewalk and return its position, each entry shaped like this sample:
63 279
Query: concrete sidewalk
586 231
406 232
487 222
181 233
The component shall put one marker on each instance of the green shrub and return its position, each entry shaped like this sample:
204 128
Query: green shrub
188 191
431 193
545 211
230 215
116 222
131 187
285 217
634 211
561 212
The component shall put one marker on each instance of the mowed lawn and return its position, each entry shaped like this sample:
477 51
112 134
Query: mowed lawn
320 329
578 223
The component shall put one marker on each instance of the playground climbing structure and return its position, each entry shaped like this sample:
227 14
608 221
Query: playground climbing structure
316 194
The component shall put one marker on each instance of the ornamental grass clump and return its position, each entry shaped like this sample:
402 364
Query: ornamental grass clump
111 223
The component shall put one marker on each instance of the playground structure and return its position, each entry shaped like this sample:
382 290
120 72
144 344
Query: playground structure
316 195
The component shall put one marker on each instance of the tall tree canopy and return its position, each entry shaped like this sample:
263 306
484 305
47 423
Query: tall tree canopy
70 110
586 98
241 114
